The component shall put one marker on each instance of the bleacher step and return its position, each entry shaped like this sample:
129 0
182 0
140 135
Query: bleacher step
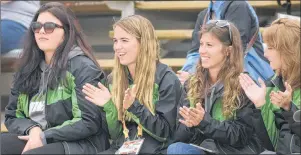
173 34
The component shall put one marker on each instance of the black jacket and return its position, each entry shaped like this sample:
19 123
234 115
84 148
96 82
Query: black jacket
71 119
158 129
235 135
289 134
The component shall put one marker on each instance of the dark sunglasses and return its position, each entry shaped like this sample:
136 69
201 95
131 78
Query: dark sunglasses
48 27
221 24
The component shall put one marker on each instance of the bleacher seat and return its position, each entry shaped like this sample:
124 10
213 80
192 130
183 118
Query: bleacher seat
198 5
174 34
174 63
3 128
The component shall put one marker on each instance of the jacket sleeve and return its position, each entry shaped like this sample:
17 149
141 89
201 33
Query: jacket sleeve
161 125
261 130
288 116
16 119
235 132
16 113
289 131
87 119
193 53
238 14
114 125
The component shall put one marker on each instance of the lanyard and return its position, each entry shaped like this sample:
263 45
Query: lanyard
126 130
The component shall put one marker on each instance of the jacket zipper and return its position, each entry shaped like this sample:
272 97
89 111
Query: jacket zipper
46 103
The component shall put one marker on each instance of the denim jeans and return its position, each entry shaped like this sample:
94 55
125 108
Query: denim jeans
183 148
12 34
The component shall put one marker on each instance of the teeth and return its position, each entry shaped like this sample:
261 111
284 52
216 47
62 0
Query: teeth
121 54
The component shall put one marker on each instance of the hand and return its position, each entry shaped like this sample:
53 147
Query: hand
255 93
183 76
129 97
192 116
33 139
196 114
99 96
282 99
4 2
184 112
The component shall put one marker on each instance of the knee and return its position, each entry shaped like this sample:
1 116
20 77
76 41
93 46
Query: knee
175 148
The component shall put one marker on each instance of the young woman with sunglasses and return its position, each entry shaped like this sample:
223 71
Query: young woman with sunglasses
278 99
47 112
217 117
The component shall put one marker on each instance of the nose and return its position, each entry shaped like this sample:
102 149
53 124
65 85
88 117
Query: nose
265 52
42 30
202 50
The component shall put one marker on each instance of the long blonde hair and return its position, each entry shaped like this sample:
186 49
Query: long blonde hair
142 29
284 36
228 75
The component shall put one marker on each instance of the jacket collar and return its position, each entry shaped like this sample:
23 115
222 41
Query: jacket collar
276 81
213 93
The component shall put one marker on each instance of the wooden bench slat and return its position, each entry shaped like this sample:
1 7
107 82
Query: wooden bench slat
3 128
171 5
198 5
271 4
169 34
173 34
89 7
172 62
102 7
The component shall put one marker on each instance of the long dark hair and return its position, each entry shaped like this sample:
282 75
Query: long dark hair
27 78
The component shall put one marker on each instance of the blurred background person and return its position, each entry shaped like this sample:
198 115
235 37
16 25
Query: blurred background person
16 17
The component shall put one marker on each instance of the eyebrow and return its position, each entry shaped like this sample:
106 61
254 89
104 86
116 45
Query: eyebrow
125 38
122 38
49 22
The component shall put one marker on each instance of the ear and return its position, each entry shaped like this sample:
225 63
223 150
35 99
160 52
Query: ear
229 49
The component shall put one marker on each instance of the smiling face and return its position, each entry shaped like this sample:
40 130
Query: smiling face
211 52
126 46
48 42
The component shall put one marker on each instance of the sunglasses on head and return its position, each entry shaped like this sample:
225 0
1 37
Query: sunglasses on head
221 24
48 27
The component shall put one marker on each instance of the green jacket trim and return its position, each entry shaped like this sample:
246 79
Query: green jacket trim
114 125
112 117
76 112
21 111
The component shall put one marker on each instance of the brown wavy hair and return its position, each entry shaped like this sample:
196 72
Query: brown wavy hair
228 75
143 30
284 36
